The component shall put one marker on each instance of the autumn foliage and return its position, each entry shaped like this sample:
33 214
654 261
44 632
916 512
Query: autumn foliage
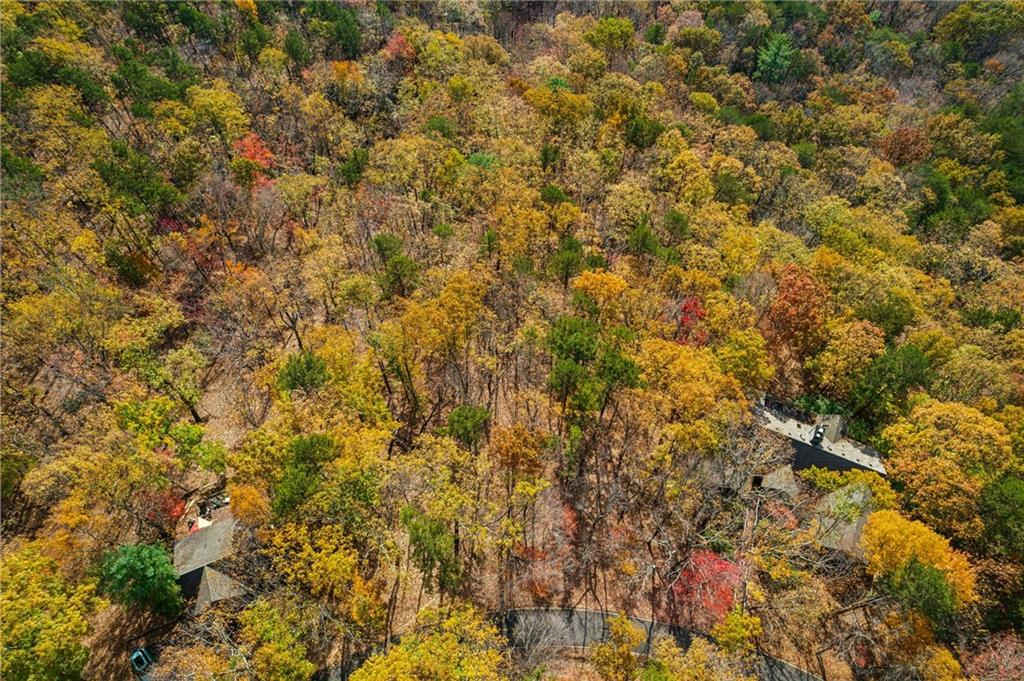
705 588
453 308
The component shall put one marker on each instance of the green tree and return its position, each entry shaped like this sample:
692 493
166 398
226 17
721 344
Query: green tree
1002 508
567 260
923 588
883 388
1005 120
301 474
296 49
892 312
254 38
142 574
303 370
351 171
642 132
467 423
774 58
433 551
677 224
489 242
136 179
642 240
655 33
400 276
346 34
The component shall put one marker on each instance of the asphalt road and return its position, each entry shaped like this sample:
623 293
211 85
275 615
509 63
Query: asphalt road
571 628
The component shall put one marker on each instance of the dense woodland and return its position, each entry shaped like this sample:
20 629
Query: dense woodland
465 305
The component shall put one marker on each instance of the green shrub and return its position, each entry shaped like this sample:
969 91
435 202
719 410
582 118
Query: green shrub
386 246
443 230
1003 318
642 132
548 156
468 423
489 242
550 193
443 126
655 34
303 370
807 152
482 159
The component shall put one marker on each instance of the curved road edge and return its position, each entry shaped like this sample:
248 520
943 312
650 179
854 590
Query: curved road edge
533 628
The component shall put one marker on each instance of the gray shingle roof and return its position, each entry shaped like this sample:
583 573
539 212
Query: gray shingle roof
205 546
858 454
781 480
216 586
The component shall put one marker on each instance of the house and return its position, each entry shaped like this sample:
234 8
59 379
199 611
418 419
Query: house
200 558
823 443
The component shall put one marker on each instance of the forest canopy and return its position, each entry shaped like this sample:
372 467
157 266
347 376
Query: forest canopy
436 312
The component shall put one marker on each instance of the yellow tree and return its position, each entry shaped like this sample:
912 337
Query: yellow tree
44 618
890 542
271 639
850 348
324 563
680 171
616 658
113 479
738 632
702 661
457 645
943 454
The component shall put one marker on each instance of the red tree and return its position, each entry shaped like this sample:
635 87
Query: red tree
905 146
1000 659
705 590
691 312
797 316
252 148
398 48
